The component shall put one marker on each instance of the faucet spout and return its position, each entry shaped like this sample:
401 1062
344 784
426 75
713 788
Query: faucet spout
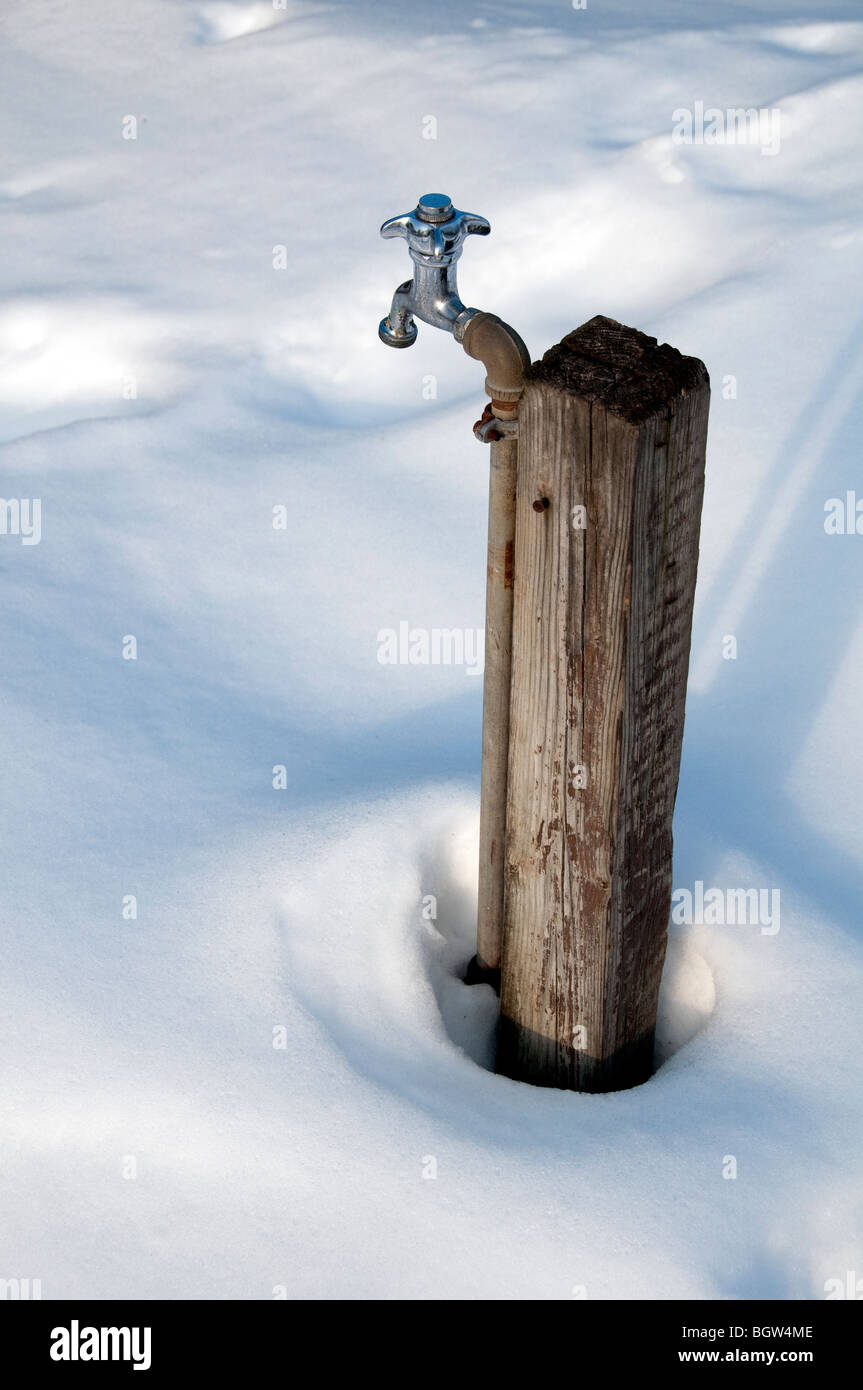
431 296
398 329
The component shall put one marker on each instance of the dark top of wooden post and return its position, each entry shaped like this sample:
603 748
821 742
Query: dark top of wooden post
622 369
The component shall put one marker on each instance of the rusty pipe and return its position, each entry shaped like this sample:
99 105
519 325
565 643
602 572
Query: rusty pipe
505 358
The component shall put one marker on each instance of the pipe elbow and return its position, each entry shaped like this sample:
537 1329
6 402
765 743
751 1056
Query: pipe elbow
504 356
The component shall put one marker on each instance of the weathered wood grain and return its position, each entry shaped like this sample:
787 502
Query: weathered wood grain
614 423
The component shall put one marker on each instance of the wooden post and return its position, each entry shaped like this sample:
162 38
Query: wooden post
612 435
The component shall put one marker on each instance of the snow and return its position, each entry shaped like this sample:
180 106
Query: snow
164 388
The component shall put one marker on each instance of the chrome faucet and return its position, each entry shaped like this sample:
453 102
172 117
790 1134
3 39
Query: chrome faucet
435 232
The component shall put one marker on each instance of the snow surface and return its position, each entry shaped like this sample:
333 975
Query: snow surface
305 1170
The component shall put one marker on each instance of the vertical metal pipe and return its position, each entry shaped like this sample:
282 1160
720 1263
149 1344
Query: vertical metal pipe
495 700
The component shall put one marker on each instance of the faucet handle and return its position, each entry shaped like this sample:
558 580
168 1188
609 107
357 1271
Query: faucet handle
435 230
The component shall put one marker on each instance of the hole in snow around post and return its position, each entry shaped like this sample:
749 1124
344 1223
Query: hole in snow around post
469 1012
